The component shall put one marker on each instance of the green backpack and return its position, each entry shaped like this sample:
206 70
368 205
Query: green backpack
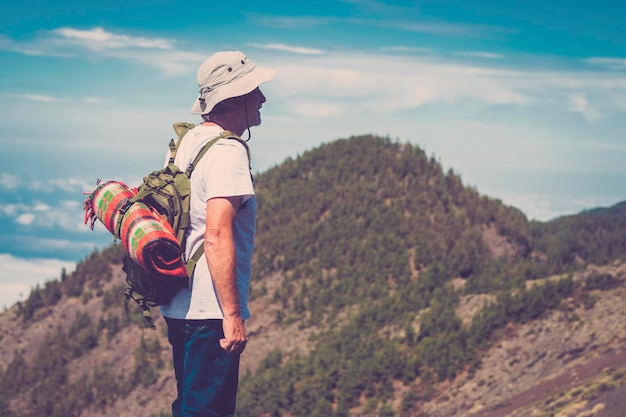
168 191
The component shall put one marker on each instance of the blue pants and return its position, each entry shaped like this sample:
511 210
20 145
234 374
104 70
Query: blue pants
206 375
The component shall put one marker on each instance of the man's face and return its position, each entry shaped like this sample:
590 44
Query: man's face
254 102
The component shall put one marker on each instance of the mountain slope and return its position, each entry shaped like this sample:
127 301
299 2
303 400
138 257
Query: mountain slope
382 286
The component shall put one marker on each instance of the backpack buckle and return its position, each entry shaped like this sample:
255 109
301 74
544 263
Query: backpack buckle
122 211
125 207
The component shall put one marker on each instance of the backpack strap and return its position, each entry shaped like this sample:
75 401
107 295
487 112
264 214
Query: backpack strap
226 134
191 263
198 157
181 129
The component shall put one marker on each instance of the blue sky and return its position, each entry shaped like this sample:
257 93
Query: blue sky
524 99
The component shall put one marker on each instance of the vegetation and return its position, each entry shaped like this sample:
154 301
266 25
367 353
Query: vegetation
367 236
390 237
590 237
48 376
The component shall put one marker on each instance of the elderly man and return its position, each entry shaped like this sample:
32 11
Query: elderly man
206 321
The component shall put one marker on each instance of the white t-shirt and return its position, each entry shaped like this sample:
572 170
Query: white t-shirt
222 172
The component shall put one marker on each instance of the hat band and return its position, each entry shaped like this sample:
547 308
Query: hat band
205 89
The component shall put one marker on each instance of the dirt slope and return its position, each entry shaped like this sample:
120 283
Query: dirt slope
569 363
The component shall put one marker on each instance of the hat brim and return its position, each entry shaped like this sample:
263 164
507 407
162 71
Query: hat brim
236 88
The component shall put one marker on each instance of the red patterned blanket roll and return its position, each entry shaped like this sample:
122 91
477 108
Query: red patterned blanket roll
147 237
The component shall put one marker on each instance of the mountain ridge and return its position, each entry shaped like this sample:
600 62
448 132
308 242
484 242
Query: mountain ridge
380 282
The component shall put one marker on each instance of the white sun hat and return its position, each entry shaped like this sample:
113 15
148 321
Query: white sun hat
225 75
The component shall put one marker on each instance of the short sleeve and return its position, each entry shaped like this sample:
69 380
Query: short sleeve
225 171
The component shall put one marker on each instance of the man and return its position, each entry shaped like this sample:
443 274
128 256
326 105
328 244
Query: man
206 321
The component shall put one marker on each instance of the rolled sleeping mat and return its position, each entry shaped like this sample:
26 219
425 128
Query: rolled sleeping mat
147 237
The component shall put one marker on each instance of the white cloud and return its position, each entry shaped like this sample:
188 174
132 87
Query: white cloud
389 16
479 54
70 184
578 103
12 210
481 119
386 83
318 110
71 43
447 29
432 79
369 84
170 63
48 99
610 63
41 207
288 48
11 182
409 18
64 215
97 38
25 219
478 150
25 48
93 100
40 244
40 98
18 276
536 112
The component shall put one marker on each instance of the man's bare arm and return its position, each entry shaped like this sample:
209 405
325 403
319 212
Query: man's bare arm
219 249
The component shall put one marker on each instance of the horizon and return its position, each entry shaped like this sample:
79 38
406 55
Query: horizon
525 103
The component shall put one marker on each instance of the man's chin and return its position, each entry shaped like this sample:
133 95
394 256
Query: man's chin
256 122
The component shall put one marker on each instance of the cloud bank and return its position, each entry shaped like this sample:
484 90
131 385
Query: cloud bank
19 276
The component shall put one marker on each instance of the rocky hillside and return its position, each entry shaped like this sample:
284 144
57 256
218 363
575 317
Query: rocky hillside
383 287
570 362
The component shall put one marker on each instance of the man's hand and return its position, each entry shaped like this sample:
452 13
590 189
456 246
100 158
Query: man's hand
235 337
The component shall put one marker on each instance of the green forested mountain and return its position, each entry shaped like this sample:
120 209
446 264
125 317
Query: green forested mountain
367 245
370 223
595 236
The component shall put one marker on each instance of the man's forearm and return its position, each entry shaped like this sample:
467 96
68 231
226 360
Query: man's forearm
219 249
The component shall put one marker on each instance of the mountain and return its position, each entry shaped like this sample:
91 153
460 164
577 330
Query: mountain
382 287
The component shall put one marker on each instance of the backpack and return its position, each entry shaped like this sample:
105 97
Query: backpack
168 192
